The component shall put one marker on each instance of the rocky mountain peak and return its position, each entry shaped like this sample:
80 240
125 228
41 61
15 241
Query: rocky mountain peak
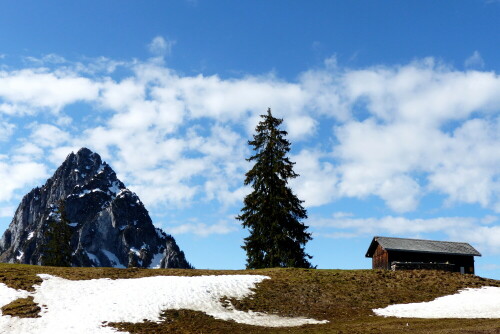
110 225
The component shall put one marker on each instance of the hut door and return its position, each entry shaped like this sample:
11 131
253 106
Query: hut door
462 270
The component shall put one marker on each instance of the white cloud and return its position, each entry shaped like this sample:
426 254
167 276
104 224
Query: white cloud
318 181
204 230
468 166
382 158
46 59
417 123
326 95
422 92
118 95
395 132
377 159
474 61
29 149
15 176
7 211
299 127
58 154
486 236
404 226
165 192
27 152
461 229
230 100
6 130
34 89
160 46
47 135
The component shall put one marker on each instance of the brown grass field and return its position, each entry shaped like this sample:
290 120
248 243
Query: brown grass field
344 297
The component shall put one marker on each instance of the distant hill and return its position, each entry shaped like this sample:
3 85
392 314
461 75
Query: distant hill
345 298
109 223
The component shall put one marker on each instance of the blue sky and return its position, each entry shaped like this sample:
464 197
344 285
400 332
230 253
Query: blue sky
392 109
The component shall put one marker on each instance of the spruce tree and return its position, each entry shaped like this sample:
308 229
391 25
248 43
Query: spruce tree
272 212
56 249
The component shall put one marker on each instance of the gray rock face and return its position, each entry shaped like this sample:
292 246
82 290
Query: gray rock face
110 225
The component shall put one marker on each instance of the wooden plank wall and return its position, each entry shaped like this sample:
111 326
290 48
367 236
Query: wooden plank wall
380 259
466 262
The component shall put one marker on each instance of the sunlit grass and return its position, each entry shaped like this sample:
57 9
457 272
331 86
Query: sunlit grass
344 297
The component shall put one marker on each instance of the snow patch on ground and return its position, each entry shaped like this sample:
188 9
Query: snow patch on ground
469 303
81 307
8 295
30 236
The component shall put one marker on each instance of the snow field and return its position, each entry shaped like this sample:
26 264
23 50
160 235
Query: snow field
8 295
469 303
83 307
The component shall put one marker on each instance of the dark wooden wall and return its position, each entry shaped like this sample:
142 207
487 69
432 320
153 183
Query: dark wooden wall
380 259
383 259
467 262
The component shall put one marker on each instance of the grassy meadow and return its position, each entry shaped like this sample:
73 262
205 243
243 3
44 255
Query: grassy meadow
343 297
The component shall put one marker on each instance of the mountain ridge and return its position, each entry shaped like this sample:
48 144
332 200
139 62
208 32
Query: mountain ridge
110 225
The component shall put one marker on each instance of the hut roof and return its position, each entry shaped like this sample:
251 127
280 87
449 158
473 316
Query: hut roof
422 246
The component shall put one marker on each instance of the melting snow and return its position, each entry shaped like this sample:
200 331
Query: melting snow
122 193
469 303
156 261
84 306
160 233
115 187
93 258
30 236
8 295
100 169
113 259
135 250
20 256
86 191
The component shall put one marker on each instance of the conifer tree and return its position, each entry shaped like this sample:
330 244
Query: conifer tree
57 249
272 212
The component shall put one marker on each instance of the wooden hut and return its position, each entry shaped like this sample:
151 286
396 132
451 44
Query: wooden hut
399 253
